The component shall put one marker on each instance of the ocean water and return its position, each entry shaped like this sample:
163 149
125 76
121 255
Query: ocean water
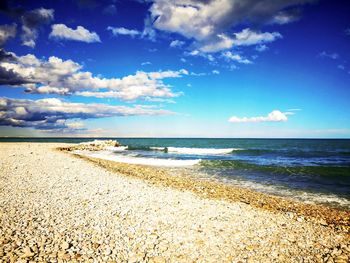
311 170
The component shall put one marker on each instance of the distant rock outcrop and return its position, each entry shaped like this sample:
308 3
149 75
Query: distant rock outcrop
96 145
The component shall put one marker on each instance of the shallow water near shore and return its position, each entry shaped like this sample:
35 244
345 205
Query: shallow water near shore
311 170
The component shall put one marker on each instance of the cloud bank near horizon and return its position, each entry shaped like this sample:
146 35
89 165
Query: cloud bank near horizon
52 114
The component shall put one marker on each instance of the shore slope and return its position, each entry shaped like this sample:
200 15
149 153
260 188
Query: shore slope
54 206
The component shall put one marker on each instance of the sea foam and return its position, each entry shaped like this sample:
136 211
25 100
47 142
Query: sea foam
196 151
108 155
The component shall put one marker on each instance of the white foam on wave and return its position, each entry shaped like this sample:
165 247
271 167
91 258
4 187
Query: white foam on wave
117 149
201 151
108 155
157 148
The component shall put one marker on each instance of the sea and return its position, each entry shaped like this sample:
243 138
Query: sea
309 170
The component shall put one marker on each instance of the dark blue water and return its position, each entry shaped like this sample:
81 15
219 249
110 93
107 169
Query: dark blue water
317 169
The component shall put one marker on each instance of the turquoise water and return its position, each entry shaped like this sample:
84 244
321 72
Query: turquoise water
317 169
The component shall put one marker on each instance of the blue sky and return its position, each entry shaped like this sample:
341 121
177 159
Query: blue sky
216 68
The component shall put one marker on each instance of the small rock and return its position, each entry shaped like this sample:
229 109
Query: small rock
27 253
65 245
157 259
323 222
341 259
107 252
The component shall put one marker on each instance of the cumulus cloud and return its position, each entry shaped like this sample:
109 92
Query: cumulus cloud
56 114
274 116
6 56
124 31
61 31
32 21
6 32
210 20
65 77
249 37
236 57
216 72
9 76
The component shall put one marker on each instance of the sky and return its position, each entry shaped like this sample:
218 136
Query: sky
175 68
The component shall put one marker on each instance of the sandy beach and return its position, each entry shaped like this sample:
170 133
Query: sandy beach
55 207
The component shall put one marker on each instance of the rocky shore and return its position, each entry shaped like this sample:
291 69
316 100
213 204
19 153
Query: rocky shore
55 207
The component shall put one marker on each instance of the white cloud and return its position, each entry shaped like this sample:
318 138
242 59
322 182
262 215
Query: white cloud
146 63
31 21
123 31
294 109
220 42
261 48
6 32
56 114
110 9
236 57
198 74
61 31
216 72
249 37
274 116
199 53
286 17
176 43
56 76
148 31
325 54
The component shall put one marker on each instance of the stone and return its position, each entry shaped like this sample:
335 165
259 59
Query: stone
157 259
27 253
341 259
323 222
65 245
107 252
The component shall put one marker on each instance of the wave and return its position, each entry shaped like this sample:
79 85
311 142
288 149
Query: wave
290 153
201 151
186 150
138 147
331 171
117 149
106 155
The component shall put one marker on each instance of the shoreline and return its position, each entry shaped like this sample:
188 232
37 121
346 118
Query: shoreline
57 207
322 214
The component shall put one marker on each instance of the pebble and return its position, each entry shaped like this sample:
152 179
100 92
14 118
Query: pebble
65 245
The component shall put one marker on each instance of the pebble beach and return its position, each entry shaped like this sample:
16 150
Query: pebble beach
55 207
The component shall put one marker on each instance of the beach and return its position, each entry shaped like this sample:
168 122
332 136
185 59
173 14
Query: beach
57 207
